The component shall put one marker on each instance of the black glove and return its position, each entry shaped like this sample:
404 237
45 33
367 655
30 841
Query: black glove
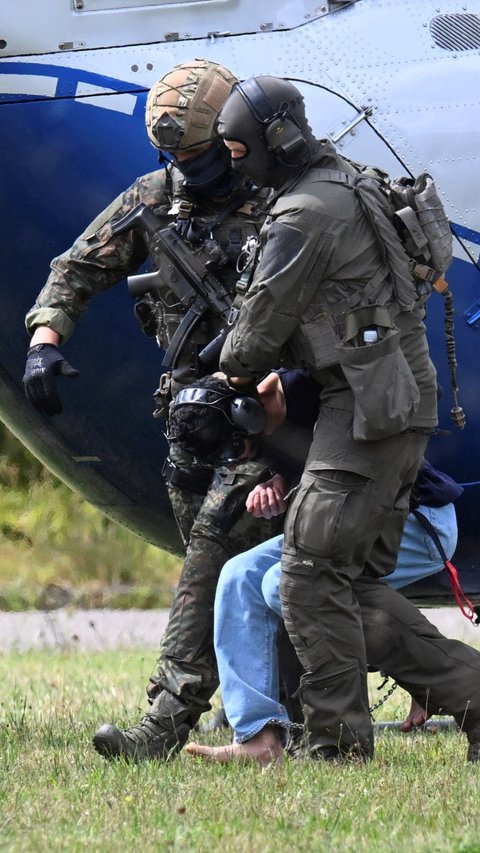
44 363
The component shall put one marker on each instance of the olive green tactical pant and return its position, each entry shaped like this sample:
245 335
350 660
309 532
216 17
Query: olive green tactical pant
344 525
187 671
443 675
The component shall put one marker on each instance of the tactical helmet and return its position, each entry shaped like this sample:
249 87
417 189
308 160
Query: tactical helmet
183 105
267 114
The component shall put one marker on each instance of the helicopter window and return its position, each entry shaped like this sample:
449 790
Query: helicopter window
456 31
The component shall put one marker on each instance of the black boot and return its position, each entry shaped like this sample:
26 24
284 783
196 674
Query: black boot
473 754
473 736
159 735
217 722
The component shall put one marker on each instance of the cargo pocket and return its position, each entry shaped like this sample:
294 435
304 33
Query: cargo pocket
301 617
386 395
328 511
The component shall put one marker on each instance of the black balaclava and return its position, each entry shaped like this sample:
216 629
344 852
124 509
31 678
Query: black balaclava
267 115
210 172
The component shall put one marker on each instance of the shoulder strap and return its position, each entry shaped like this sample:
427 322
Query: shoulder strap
464 603
373 203
335 176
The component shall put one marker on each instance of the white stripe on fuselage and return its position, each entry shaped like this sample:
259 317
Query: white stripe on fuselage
94 95
28 84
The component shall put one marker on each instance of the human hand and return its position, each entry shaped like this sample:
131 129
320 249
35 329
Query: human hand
44 364
271 395
267 499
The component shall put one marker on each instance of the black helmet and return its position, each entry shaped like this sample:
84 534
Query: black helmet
267 115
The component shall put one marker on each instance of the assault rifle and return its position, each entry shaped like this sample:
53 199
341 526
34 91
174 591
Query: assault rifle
185 271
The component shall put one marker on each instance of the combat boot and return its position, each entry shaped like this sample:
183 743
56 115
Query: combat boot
216 723
159 735
473 753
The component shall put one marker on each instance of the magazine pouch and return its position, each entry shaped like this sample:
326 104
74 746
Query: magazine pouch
386 395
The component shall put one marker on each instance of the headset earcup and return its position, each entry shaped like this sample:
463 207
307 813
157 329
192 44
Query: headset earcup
285 138
248 415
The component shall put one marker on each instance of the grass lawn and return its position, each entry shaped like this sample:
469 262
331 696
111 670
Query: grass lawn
57 794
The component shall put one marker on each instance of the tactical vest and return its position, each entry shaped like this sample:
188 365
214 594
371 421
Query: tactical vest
385 392
415 245
218 237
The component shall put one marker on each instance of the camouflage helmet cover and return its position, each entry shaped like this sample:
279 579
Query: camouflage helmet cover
183 105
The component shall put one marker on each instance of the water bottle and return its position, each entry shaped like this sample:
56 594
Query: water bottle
370 336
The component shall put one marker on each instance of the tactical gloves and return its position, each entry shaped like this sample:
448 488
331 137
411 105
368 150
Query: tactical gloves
44 364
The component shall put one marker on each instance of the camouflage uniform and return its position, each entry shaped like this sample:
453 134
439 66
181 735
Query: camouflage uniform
212 519
222 528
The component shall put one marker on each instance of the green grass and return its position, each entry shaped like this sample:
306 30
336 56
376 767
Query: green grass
55 548
56 794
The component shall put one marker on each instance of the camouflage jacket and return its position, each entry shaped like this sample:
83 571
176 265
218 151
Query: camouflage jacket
99 260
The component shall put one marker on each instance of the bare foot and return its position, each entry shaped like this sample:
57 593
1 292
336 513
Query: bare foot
416 717
264 748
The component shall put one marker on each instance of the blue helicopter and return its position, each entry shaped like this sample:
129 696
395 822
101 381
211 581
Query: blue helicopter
393 84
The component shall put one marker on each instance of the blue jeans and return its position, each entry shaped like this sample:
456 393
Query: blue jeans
248 614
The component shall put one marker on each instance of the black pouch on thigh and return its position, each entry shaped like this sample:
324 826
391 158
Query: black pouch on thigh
386 395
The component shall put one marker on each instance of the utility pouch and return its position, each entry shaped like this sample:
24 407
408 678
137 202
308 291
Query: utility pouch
386 395
194 479
316 343
421 221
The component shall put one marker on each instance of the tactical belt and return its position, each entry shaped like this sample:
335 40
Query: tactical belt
193 479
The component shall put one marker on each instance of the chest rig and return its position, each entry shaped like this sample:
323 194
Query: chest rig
187 299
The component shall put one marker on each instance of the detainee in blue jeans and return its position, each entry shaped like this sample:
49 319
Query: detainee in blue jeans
247 621
247 606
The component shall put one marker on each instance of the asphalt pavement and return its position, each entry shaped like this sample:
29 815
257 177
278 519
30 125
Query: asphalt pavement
98 630
89 630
